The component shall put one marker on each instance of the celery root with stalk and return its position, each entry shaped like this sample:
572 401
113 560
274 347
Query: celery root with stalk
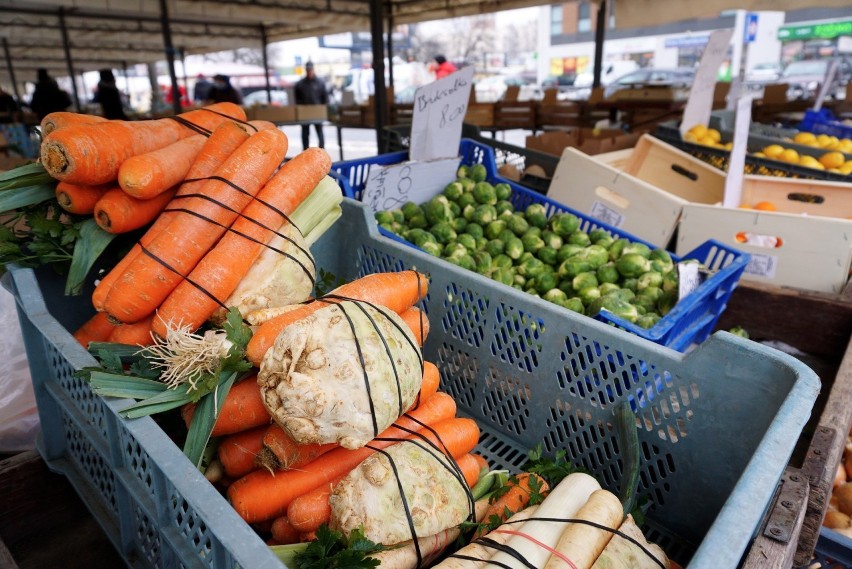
341 375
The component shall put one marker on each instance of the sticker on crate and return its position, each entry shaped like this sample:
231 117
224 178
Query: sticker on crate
389 187
603 212
762 265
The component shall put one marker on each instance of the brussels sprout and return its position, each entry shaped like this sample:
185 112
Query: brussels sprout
467 183
454 249
632 265
545 282
455 210
433 248
459 224
661 261
474 230
579 238
520 281
493 230
547 255
573 266
410 209
484 214
398 216
514 248
551 239
617 248
597 234
387 227
505 214
477 173
536 215
574 304
398 228
469 241
418 236
620 308
670 281
504 275
567 250
505 235
483 262
739 331
463 261
640 310
385 217
453 191
517 224
584 280
504 191
630 284
530 268
646 303
624 294
501 261
649 320
588 294
465 200
532 243
533 230
480 243
605 242
637 249
607 273
607 288
484 193
564 224
495 247
566 286
504 206
463 172
652 292
437 209
444 232
595 255
419 221
651 278
667 301
468 212
555 295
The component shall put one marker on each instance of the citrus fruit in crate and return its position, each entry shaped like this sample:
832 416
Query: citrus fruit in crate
832 159
773 150
806 138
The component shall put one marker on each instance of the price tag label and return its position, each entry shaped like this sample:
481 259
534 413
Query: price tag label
389 187
736 163
606 214
700 102
439 110
762 265
690 276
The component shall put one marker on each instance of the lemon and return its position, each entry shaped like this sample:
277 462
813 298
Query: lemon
846 168
809 162
832 159
689 137
698 131
789 155
759 155
773 150
807 138
845 146
822 140
728 146
706 141
714 134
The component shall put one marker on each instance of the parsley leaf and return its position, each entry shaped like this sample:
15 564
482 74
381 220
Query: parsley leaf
331 550
235 329
553 470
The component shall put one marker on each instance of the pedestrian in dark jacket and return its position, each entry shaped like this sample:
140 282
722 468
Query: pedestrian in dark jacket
224 92
109 96
311 91
48 97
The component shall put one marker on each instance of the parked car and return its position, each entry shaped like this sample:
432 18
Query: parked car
279 98
491 89
803 78
763 73
610 71
674 77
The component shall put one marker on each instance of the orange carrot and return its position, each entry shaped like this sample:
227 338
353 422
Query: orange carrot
481 461
515 500
95 329
283 532
62 119
176 250
262 125
310 510
92 153
281 452
222 269
417 322
431 381
238 452
469 467
308 537
79 199
397 291
222 143
136 334
117 212
148 175
262 495
242 409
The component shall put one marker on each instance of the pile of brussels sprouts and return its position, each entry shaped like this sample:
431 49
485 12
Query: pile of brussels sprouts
473 224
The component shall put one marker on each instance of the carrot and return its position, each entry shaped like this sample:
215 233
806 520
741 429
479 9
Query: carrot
515 500
117 212
222 143
483 463
262 495
238 452
397 291
79 199
176 250
95 329
136 334
242 409
92 153
222 269
431 381
62 119
262 125
148 175
308 537
281 452
283 531
470 468
418 322
310 510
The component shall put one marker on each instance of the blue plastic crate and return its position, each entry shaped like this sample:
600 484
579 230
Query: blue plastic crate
716 426
690 322
833 550
824 122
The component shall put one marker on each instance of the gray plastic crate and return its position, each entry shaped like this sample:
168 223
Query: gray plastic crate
717 426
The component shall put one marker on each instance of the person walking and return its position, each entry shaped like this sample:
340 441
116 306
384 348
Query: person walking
224 92
109 96
48 97
311 91
444 67
201 91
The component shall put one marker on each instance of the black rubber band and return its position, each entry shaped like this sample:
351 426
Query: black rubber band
364 369
235 119
191 125
470 558
388 353
207 293
502 547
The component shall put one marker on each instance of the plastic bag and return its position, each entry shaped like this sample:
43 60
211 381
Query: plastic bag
19 423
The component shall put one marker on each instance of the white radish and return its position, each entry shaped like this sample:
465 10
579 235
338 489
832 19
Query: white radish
623 554
564 501
582 543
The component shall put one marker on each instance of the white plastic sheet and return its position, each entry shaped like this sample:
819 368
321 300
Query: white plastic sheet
19 423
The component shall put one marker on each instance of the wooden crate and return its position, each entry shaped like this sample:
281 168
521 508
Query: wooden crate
794 195
480 114
352 116
515 114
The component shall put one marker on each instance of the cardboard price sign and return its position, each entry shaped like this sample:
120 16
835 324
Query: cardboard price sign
736 163
700 102
389 187
439 110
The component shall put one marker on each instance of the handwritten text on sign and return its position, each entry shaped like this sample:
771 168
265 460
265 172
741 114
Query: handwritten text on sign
439 110
389 187
700 101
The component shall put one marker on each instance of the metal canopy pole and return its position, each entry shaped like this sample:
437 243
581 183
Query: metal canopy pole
600 30
11 70
126 80
263 46
70 67
390 45
380 99
170 55
182 53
